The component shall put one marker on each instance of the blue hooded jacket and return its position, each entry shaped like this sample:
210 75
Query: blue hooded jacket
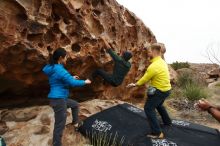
60 81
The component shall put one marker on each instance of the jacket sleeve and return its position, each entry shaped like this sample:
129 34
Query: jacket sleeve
147 76
114 56
69 79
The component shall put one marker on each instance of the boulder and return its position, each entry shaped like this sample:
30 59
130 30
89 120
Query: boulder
3 127
40 130
31 30
18 115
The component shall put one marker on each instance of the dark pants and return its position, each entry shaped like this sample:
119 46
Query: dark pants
156 102
106 76
60 113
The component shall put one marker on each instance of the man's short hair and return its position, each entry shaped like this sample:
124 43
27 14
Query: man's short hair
156 47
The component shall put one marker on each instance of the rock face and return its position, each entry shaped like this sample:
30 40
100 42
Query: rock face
39 131
29 30
208 72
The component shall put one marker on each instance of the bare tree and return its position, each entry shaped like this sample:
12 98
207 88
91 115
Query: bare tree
212 53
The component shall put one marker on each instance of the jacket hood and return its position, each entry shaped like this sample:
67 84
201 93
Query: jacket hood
48 69
127 55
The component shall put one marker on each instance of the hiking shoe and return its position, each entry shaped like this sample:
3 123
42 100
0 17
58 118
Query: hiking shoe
78 125
156 136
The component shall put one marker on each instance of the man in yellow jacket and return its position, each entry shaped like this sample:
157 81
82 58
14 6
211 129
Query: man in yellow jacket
157 75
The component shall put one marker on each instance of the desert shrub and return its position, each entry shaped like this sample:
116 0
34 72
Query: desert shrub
184 79
178 65
194 92
103 139
190 86
176 93
217 85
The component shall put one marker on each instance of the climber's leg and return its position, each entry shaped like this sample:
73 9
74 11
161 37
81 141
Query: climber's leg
106 76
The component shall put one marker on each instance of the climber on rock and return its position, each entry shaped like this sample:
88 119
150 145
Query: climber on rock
120 70
157 74
60 80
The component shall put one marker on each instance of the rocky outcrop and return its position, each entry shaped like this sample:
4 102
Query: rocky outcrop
173 75
30 30
39 131
208 72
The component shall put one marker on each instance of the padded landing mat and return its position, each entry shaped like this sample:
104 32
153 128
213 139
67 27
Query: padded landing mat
126 125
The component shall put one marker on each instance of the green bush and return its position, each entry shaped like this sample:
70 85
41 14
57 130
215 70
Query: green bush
190 86
194 92
176 93
185 79
178 65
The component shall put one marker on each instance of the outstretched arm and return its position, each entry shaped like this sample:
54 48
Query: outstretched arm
215 113
114 56
110 51
206 106
147 76
67 78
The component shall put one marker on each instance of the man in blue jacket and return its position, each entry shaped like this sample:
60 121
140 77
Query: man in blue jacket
60 81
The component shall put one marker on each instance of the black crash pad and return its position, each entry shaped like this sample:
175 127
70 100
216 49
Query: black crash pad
125 125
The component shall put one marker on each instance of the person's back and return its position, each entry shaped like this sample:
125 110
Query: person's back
60 81
161 79
120 70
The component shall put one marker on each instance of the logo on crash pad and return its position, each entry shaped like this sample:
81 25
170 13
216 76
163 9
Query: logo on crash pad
101 126
163 142
134 109
180 123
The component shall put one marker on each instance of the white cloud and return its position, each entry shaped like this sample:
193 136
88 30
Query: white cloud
185 26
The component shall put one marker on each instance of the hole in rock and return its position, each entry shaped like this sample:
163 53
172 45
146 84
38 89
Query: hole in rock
24 33
95 2
95 26
76 47
40 45
79 16
49 37
49 49
49 20
113 29
64 40
35 27
102 2
55 17
35 37
66 21
76 63
88 3
60 9
77 10
2 38
97 12
21 17
16 49
56 28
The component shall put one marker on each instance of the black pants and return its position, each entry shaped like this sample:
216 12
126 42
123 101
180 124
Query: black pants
60 113
156 102
106 76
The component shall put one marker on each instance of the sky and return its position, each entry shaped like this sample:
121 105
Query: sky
186 27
